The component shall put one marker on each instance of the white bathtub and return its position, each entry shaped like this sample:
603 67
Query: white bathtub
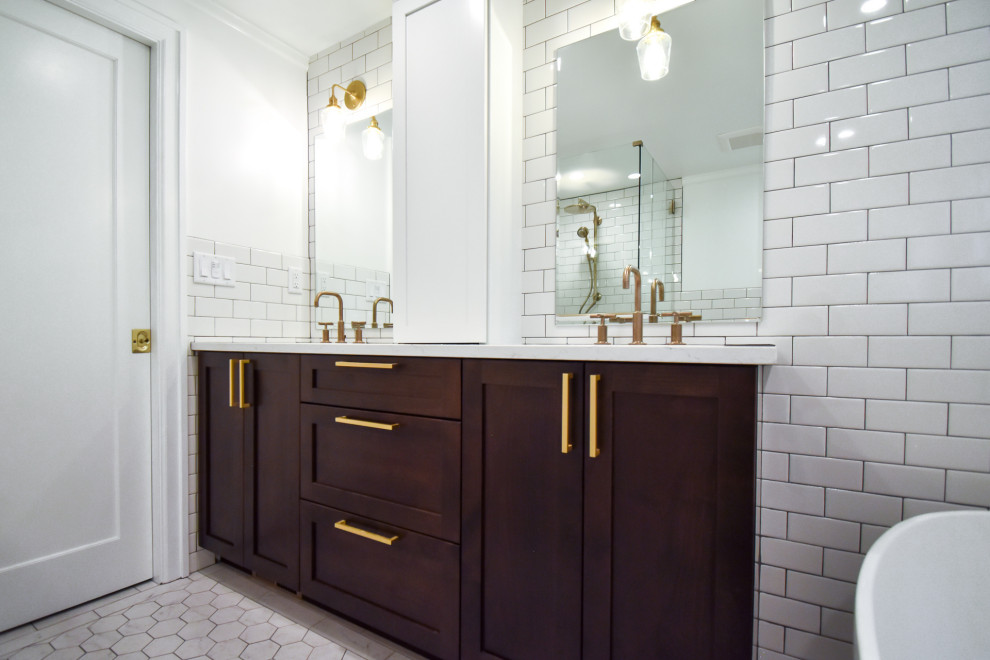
924 590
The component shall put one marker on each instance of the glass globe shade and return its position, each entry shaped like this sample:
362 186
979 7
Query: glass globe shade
634 19
373 142
653 52
332 120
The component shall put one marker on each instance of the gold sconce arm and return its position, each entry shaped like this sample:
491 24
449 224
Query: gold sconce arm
354 94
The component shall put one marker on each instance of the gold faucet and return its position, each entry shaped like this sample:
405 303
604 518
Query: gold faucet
374 312
340 319
637 302
655 287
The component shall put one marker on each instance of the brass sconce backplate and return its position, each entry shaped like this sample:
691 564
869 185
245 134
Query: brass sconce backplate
356 92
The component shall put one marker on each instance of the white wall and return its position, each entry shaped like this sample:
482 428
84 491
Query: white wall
244 133
876 283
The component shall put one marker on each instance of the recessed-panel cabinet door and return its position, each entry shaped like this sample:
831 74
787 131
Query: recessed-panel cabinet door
271 451
221 457
669 512
522 532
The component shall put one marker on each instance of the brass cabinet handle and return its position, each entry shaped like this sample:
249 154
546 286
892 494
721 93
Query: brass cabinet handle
593 450
233 368
345 526
343 419
243 363
367 365
565 414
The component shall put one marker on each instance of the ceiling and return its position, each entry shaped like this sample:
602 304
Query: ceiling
309 26
715 86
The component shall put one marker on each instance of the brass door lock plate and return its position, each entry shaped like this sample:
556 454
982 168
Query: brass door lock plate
141 341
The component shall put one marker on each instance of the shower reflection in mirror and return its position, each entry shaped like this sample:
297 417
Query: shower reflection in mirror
610 215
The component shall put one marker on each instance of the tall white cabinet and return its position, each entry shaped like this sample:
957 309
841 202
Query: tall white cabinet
456 191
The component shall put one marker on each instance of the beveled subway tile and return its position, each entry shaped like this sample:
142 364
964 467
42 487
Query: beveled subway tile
905 28
848 12
799 82
797 142
835 166
907 91
969 79
832 228
951 183
795 25
966 114
971 148
831 45
866 68
907 352
907 221
840 104
950 50
869 130
911 155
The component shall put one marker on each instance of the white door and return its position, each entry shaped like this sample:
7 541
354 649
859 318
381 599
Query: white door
75 466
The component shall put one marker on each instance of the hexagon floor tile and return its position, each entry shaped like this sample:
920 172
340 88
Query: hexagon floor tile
218 613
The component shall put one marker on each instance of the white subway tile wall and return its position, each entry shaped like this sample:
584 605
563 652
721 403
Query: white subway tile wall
876 289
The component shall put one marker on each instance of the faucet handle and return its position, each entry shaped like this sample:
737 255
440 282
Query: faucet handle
602 328
676 332
326 332
683 316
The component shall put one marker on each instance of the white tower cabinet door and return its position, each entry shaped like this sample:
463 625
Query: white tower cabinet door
440 178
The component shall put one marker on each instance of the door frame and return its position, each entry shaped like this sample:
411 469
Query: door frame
169 426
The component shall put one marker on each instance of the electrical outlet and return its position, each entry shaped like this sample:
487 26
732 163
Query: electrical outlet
322 281
295 280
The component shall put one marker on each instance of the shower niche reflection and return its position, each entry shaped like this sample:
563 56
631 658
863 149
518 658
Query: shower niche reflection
614 209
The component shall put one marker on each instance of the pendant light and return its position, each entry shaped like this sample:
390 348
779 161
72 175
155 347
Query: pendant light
653 52
373 141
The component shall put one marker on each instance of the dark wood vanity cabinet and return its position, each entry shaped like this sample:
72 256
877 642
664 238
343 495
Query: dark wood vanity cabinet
249 461
496 509
381 487
644 550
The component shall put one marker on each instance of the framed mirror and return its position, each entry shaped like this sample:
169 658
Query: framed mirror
666 175
353 223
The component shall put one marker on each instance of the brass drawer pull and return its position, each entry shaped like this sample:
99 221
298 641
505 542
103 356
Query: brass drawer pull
367 365
243 363
345 526
565 414
233 370
361 422
593 450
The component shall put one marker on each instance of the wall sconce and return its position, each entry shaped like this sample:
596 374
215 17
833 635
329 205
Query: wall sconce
332 116
373 141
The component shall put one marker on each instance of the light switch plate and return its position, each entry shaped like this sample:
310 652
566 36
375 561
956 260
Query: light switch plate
375 289
295 280
213 269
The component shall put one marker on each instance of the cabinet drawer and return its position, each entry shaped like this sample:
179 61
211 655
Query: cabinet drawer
430 387
408 590
399 469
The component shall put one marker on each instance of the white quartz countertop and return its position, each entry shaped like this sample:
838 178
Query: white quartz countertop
687 354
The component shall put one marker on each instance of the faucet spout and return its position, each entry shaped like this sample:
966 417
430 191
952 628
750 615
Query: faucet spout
340 316
656 287
374 311
637 302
